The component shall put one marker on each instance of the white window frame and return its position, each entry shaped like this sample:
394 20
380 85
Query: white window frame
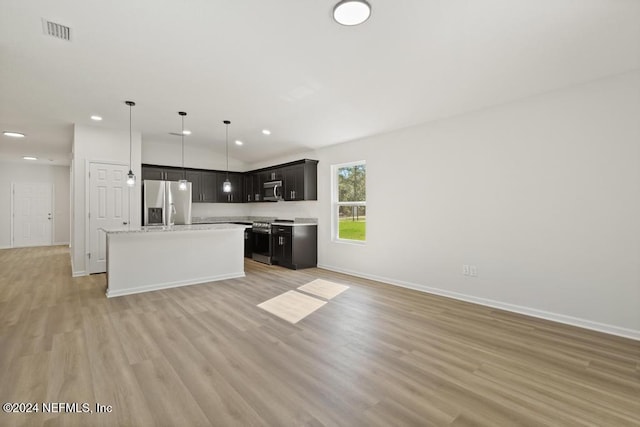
335 203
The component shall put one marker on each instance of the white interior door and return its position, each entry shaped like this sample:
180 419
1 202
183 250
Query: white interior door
108 208
32 214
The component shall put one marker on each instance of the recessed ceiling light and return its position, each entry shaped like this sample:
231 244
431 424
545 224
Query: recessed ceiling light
186 132
351 12
238 142
96 118
13 134
30 158
266 131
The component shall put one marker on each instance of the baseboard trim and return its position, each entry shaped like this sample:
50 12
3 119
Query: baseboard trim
5 247
74 272
60 243
555 317
169 285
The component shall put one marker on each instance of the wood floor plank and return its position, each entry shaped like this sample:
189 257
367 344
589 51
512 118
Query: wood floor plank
219 402
161 385
375 355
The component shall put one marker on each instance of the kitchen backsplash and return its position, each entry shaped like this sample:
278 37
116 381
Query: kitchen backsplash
284 210
204 210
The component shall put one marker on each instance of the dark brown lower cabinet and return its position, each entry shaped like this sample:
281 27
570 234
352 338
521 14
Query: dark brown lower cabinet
248 243
295 246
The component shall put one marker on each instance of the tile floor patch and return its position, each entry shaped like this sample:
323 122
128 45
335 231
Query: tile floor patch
324 288
292 306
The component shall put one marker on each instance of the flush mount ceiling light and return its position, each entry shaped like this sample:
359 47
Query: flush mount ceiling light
30 158
96 118
182 184
13 134
351 12
238 142
186 132
266 131
131 178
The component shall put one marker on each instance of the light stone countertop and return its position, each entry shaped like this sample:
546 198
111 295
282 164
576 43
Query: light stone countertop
167 229
294 224
251 219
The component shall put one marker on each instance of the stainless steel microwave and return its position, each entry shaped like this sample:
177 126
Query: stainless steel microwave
272 191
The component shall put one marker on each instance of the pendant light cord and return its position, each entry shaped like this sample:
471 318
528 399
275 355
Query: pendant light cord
184 174
227 137
130 149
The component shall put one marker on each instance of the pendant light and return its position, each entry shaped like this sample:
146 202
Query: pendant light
226 186
351 12
182 184
131 178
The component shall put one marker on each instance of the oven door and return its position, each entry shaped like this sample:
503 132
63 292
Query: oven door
262 249
272 191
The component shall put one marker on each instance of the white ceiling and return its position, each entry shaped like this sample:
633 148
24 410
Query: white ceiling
285 65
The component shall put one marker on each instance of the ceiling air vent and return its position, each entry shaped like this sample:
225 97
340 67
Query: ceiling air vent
56 30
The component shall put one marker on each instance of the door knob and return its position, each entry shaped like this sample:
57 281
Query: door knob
125 222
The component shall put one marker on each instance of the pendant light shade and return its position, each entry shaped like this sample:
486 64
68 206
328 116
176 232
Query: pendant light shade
182 184
226 185
351 12
131 178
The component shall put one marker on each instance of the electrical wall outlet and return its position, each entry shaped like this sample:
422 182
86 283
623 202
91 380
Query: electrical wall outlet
473 271
465 269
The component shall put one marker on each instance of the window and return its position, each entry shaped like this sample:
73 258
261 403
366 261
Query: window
349 201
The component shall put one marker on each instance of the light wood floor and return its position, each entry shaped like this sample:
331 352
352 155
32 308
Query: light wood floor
374 355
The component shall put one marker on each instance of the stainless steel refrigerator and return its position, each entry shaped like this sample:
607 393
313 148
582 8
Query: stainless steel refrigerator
165 203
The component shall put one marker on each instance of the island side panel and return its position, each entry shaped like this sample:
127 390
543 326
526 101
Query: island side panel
142 262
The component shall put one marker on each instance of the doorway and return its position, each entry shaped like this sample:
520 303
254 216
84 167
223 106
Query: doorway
109 198
32 214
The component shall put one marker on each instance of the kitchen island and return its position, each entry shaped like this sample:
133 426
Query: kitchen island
160 257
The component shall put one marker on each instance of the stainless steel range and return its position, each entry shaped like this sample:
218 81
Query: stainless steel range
262 247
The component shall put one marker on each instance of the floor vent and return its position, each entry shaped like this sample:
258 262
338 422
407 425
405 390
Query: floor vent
56 30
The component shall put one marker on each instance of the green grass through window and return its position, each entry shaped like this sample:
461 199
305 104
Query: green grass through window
352 230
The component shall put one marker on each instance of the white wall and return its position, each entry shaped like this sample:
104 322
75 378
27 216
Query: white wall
542 195
104 145
195 156
58 176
